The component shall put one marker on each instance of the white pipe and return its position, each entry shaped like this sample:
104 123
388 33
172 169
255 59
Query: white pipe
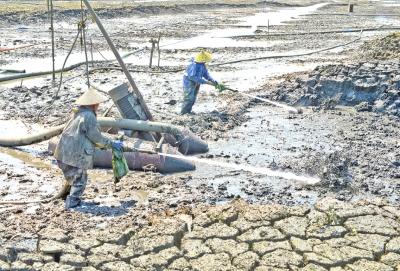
137 125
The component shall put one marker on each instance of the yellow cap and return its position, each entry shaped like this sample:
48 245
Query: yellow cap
91 96
203 57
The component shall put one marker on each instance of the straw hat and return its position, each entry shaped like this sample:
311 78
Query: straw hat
203 57
91 96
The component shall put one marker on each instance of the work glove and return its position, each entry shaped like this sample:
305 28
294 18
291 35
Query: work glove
220 87
117 145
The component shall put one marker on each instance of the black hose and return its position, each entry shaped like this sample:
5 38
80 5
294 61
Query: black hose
286 56
27 75
315 33
69 68
240 60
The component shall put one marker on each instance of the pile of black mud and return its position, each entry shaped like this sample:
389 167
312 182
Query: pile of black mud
16 17
109 12
367 86
27 102
332 168
383 48
213 125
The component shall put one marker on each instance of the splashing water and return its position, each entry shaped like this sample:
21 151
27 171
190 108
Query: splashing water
291 109
259 170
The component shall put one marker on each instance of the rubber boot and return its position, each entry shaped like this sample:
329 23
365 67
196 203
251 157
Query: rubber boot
186 107
72 202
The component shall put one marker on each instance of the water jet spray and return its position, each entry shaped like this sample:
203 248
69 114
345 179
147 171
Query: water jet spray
252 169
289 108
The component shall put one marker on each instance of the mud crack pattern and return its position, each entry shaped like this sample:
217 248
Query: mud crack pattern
331 235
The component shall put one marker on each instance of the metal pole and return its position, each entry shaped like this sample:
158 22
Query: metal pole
120 61
158 50
86 57
52 40
151 52
91 51
83 24
351 7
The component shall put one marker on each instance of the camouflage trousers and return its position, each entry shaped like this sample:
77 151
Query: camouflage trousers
77 179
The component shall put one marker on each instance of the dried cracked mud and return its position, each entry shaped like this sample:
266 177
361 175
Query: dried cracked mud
331 235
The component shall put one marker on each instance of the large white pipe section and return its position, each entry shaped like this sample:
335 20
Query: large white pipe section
140 125
14 141
128 124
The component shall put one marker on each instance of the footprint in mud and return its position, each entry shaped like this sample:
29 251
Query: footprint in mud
93 208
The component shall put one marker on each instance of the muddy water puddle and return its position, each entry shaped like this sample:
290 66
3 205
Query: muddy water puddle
24 180
17 157
271 17
269 139
26 159
24 167
45 64
217 38
389 3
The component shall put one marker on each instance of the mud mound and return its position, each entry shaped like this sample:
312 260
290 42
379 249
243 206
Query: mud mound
366 86
213 125
278 4
73 14
333 169
384 48
16 17
26 103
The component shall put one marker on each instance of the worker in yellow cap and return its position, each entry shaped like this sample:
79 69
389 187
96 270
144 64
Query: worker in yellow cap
195 75
74 151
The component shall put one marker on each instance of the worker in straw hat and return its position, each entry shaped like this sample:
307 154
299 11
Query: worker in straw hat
196 74
74 151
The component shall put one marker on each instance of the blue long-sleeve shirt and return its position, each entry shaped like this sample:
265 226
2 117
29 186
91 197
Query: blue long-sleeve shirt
196 73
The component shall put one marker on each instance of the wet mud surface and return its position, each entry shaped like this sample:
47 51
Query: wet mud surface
347 135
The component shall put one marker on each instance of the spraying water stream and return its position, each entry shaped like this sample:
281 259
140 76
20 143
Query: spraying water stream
289 108
258 170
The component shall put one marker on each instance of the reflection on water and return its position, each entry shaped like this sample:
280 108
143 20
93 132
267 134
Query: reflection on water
213 38
22 156
18 158
217 38
278 17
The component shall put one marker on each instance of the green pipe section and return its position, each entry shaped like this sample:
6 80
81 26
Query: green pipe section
128 124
